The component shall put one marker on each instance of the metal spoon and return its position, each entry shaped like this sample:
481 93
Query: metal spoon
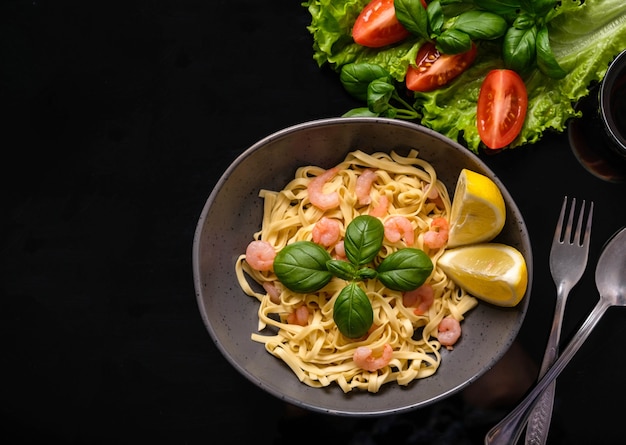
611 284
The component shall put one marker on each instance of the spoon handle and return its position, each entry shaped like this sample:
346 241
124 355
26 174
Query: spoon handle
509 429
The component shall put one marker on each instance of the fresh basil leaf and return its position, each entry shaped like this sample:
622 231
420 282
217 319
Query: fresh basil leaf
352 311
366 273
412 15
524 21
436 18
453 41
481 25
405 269
501 7
356 77
363 240
379 93
342 269
301 266
546 62
519 48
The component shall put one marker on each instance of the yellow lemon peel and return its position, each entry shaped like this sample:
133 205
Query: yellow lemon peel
493 272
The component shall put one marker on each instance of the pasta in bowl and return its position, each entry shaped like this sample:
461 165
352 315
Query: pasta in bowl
398 362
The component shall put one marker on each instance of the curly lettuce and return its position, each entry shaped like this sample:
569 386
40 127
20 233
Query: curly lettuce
584 37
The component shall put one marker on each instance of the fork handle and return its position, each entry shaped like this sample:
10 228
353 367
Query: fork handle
539 420
541 415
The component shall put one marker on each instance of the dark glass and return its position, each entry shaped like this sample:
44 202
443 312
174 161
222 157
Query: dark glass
598 139
612 104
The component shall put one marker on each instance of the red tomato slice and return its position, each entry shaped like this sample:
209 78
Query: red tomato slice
502 105
434 69
378 26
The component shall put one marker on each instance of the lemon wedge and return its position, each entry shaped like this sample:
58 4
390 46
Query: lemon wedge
495 273
478 211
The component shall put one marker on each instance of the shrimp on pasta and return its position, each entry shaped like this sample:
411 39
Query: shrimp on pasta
409 329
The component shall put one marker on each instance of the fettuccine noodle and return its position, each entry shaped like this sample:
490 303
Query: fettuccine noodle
318 353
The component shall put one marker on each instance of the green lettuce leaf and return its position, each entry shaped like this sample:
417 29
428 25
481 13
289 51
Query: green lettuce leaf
584 37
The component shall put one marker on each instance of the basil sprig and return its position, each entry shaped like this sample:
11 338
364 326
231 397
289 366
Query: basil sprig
526 42
375 85
452 36
305 266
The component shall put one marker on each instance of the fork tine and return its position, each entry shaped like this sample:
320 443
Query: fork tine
578 235
587 234
558 233
563 232
567 238
582 238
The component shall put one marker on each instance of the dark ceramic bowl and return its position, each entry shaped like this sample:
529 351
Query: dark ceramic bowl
233 213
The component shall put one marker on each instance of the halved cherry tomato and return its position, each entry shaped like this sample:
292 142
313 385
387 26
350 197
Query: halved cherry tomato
434 69
377 25
502 105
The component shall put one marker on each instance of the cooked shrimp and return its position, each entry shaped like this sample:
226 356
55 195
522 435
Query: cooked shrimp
364 359
434 196
340 250
272 291
437 236
398 227
321 200
364 185
300 316
260 255
449 331
381 208
422 298
327 231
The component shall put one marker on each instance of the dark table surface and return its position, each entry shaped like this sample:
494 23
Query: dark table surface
121 118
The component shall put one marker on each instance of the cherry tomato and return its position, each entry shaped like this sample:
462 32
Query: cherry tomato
377 25
434 69
502 105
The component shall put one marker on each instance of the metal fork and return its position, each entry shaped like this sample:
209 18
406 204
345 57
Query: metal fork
568 259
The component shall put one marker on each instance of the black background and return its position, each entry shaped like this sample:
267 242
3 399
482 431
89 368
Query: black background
119 118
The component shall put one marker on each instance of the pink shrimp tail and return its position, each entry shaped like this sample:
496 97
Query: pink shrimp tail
437 236
272 291
364 359
260 255
381 208
399 227
364 185
421 298
300 316
327 232
449 331
321 200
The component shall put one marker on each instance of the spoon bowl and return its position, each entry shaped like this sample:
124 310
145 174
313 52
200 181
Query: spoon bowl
612 288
